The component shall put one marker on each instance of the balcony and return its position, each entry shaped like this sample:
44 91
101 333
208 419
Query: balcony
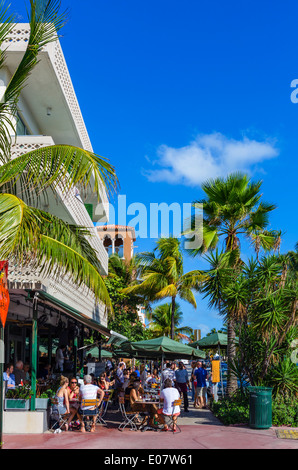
70 208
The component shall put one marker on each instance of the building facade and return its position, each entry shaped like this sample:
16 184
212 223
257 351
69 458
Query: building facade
60 311
119 239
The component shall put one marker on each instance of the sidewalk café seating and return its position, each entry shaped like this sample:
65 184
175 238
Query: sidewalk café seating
87 414
129 417
58 419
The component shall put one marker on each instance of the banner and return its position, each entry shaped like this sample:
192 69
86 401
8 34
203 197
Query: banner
215 371
4 294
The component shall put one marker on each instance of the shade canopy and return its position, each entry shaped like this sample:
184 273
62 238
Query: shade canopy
161 347
104 353
216 339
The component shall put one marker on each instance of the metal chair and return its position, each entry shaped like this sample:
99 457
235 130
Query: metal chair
103 407
171 420
87 413
58 418
129 417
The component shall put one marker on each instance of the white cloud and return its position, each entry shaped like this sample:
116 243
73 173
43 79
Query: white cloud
209 156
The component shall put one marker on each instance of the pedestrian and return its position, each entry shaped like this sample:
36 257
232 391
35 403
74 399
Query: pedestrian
182 383
193 380
201 390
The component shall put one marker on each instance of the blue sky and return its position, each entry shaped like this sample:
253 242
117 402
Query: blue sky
173 92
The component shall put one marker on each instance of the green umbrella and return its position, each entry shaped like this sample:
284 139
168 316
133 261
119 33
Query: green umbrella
104 354
161 347
216 339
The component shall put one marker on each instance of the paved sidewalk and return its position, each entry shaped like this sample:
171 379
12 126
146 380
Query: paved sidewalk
200 430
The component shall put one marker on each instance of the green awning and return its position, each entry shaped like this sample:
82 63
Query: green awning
70 311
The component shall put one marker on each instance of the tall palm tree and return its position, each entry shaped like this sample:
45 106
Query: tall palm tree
233 209
26 232
160 322
162 276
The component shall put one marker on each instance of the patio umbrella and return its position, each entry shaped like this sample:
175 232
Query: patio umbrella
216 339
161 347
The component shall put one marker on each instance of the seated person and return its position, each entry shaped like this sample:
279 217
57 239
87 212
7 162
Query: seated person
73 396
168 395
27 372
20 375
9 377
135 394
45 373
88 391
102 383
63 401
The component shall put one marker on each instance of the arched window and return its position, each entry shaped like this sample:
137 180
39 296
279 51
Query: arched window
107 243
119 246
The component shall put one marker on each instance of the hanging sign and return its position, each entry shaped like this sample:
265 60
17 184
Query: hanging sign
4 294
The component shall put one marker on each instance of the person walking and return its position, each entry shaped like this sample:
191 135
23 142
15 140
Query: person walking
182 383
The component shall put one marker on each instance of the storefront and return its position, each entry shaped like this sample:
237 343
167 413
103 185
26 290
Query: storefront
37 324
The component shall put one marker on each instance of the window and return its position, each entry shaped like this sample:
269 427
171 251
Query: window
119 246
21 128
107 243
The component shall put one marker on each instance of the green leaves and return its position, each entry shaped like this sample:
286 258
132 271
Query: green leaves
56 248
59 167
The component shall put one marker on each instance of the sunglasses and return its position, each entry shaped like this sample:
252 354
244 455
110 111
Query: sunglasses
73 382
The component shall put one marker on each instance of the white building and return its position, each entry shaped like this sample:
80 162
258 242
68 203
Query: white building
49 114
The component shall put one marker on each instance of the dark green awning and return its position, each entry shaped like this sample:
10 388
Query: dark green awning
70 311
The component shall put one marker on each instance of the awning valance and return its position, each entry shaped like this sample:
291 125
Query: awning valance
70 311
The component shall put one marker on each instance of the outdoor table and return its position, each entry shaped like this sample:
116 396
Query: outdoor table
148 407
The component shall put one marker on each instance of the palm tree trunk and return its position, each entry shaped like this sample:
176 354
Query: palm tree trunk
173 317
231 352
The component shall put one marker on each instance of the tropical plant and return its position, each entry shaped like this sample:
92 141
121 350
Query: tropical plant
125 305
28 233
162 276
232 209
160 322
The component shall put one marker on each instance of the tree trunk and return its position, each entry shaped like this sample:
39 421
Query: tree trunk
173 317
231 352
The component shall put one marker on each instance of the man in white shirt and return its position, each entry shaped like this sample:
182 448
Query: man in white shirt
168 373
88 391
168 395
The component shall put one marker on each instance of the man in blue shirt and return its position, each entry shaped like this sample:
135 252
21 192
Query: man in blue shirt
201 390
9 378
182 383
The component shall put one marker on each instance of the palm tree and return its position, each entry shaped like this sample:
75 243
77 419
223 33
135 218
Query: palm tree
26 232
160 322
162 276
232 208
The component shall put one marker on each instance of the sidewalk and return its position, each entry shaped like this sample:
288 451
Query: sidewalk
200 430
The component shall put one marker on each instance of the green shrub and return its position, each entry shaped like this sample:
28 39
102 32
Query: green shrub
235 410
285 411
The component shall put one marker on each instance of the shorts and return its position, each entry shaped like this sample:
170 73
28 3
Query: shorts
88 412
201 391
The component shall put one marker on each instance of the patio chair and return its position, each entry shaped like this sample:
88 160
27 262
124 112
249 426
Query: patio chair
89 413
170 420
103 407
129 417
58 419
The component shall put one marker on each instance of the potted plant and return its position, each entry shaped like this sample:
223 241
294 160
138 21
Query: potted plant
42 402
18 398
